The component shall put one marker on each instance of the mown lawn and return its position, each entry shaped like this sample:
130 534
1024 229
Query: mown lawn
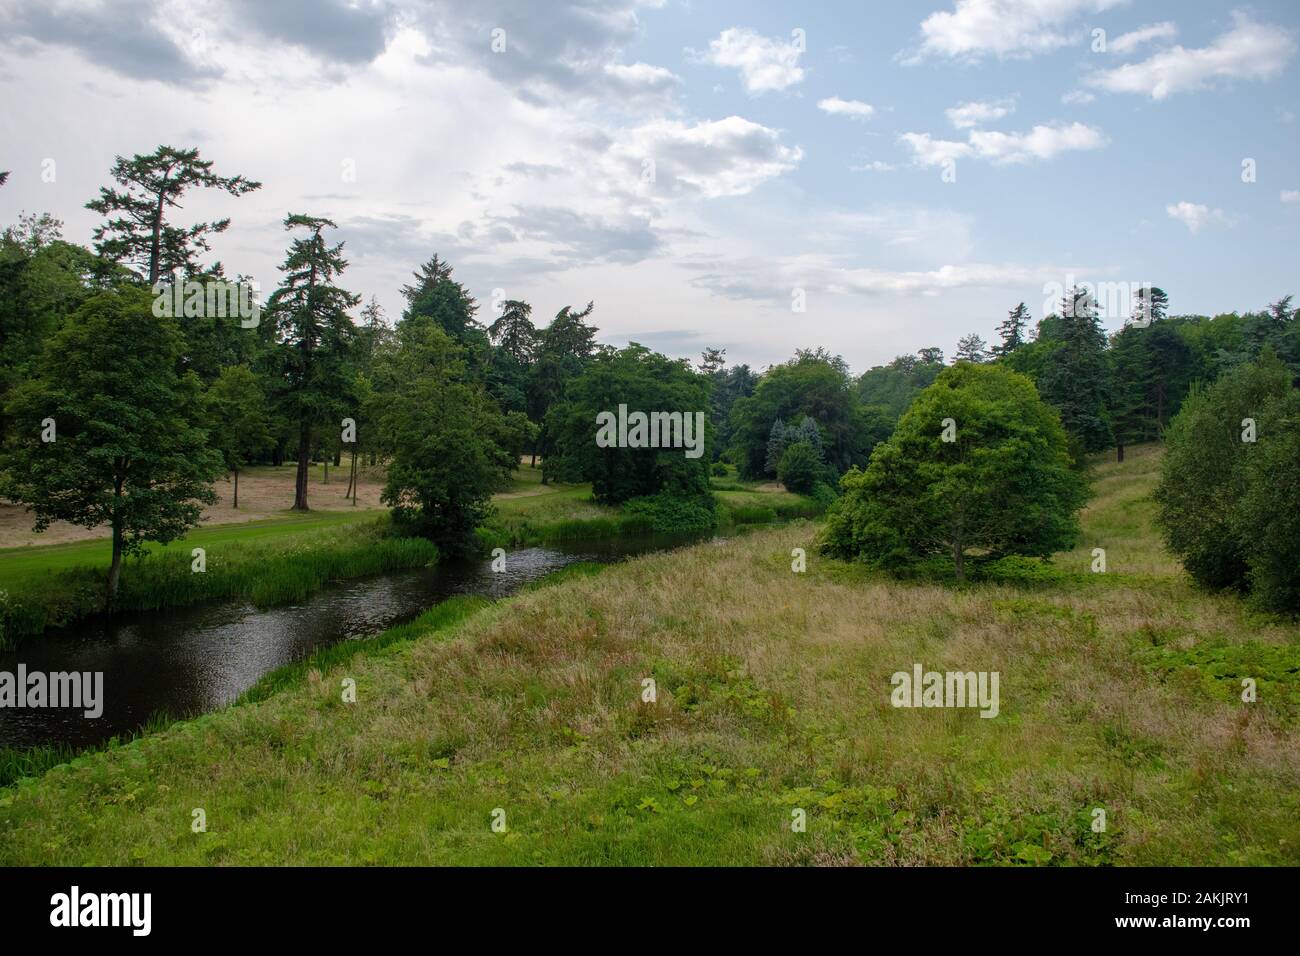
773 696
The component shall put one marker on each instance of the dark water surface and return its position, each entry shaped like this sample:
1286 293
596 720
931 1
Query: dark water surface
187 661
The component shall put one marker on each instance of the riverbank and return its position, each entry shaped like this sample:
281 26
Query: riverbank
287 557
772 695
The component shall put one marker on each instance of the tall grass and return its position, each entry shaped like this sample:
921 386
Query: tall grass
266 573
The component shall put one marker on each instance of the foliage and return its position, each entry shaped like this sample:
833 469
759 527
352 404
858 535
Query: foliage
127 449
642 381
1003 486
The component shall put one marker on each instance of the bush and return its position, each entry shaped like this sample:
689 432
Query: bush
800 468
824 494
667 513
719 469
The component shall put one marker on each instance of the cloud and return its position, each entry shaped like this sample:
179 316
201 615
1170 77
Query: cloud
1194 215
1077 97
764 64
1040 143
1128 42
552 53
1004 28
875 166
1249 51
854 109
726 157
127 37
976 113
765 279
1291 195
335 30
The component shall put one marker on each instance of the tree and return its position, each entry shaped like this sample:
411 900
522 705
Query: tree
315 337
1012 330
140 234
713 361
1205 473
931 356
972 348
641 381
237 420
1074 373
107 430
446 437
440 297
1150 305
811 384
800 468
1003 486
1266 520
564 349
513 333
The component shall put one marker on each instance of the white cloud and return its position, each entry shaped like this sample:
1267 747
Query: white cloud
1194 215
1074 97
1040 143
1128 42
854 109
977 113
875 166
1291 195
726 157
1004 27
764 63
1249 51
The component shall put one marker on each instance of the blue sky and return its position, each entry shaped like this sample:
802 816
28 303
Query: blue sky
787 166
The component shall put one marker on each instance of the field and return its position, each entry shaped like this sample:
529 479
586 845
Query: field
1120 693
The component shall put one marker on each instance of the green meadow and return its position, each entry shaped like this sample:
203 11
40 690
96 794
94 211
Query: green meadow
1120 701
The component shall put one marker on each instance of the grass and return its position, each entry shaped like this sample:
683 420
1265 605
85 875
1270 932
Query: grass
267 565
773 696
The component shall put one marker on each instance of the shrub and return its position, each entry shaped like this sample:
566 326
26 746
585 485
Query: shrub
719 469
800 468
667 513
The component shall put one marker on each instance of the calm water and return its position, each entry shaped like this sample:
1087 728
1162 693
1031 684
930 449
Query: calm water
186 661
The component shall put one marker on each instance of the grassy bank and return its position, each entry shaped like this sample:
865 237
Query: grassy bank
266 563
773 696
531 513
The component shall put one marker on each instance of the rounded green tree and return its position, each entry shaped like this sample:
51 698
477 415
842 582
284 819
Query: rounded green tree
978 466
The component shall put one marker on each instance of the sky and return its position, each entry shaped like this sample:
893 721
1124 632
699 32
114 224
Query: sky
871 178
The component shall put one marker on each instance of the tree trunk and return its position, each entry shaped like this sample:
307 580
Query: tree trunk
352 479
327 472
338 457
1119 451
959 560
300 483
236 504
115 569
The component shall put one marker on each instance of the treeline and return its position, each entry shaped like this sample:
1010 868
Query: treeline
123 396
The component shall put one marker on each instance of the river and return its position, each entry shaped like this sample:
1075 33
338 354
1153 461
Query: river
186 661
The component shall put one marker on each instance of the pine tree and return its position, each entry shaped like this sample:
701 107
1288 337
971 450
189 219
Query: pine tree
315 334
972 348
1150 305
151 186
1012 330
1074 377
514 333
